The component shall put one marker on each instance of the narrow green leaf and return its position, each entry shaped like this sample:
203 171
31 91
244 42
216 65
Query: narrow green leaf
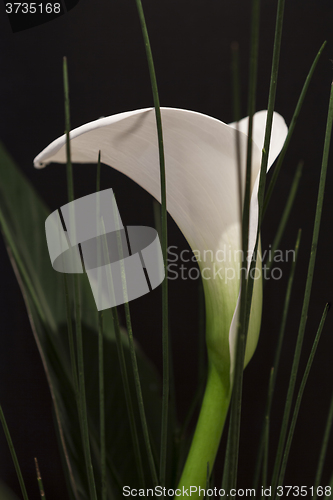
102 405
277 357
229 479
291 130
25 215
79 339
165 330
286 213
236 94
300 395
13 454
307 292
134 361
139 394
71 338
40 481
101 350
123 368
271 104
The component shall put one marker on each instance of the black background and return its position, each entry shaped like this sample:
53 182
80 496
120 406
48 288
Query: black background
108 74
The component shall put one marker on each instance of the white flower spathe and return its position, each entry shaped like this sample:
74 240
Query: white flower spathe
202 194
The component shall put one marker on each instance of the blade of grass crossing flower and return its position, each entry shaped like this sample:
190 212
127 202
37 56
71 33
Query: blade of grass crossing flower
271 104
40 481
286 212
277 356
300 395
71 338
291 130
101 351
69 169
307 292
13 454
134 361
229 479
246 303
165 333
323 450
79 340
122 363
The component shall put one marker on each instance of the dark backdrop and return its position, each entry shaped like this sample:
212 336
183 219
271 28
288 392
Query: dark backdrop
108 74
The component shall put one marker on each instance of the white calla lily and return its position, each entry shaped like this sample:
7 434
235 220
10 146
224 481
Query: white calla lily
202 197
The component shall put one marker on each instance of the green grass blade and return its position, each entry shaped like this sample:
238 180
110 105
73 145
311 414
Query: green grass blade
236 98
284 319
71 338
101 352
135 363
130 410
123 368
139 395
229 479
271 104
300 395
307 292
40 482
165 332
79 340
291 130
13 454
246 303
323 450
102 404
277 357
286 213
69 167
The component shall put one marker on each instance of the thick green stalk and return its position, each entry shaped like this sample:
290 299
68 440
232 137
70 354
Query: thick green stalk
207 434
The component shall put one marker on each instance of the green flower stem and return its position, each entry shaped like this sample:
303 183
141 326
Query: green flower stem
207 434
